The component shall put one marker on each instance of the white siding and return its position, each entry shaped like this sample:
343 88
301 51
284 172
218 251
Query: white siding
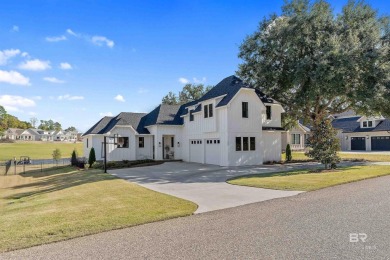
272 146
276 116
244 127
145 152
119 154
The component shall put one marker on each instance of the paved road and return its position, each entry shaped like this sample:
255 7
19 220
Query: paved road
206 184
312 225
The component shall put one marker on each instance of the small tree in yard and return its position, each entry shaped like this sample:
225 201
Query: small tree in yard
92 157
56 155
324 143
288 153
73 160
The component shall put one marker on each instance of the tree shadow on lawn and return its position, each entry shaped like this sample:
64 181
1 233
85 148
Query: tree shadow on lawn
57 180
316 171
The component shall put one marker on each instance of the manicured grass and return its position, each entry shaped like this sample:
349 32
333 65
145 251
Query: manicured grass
304 180
300 156
39 208
37 150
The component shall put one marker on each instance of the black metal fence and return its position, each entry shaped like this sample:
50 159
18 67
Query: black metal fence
11 167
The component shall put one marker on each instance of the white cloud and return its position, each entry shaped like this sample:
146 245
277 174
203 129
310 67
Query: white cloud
14 78
198 81
101 40
5 55
14 103
119 98
184 80
143 91
37 98
53 80
56 38
35 65
15 28
65 66
69 97
25 54
106 114
69 31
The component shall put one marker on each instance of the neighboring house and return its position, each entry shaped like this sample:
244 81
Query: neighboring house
32 134
297 137
361 133
232 124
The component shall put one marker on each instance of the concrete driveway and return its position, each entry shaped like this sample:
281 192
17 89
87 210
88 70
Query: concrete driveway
205 184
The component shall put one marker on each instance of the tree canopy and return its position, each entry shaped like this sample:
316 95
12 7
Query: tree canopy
317 62
10 121
189 93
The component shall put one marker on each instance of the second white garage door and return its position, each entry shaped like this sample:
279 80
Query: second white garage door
196 151
213 152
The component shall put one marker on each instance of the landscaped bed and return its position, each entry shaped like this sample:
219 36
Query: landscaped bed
308 180
59 204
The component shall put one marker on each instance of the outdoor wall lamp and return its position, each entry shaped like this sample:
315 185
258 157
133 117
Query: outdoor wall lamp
178 144
368 137
159 144
346 138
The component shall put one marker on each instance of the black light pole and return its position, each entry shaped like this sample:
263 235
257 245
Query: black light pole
105 154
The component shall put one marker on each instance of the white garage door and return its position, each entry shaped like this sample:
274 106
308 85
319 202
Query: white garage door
213 151
196 154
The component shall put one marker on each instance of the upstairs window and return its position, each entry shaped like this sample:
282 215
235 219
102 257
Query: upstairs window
191 115
208 110
141 142
245 109
368 124
268 112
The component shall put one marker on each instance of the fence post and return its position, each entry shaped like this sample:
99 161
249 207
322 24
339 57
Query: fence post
24 167
41 167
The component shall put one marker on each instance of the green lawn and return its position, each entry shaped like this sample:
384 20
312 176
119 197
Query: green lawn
299 156
39 208
37 150
304 180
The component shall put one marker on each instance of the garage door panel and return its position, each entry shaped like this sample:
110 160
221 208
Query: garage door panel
196 148
212 151
358 143
380 143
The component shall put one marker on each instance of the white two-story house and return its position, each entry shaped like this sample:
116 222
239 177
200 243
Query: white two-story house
233 124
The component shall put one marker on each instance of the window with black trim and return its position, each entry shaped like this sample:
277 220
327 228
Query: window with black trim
206 111
245 111
191 115
210 110
141 142
245 143
295 138
268 112
123 142
253 143
87 142
238 143
172 141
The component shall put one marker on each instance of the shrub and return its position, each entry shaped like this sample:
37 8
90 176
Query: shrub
73 160
92 157
56 155
288 153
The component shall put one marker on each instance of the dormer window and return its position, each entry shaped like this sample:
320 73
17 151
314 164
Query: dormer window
208 110
268 112
368 124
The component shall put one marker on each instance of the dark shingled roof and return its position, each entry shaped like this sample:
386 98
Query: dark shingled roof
165 115
99 126
127 119
228 88
351 124
347 124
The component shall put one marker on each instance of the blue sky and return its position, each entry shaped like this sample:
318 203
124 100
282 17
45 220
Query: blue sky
74 61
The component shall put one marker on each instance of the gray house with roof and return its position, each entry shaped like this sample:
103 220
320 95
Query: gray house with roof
361 133
232 124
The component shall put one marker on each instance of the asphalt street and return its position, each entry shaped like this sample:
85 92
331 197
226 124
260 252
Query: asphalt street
349 221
